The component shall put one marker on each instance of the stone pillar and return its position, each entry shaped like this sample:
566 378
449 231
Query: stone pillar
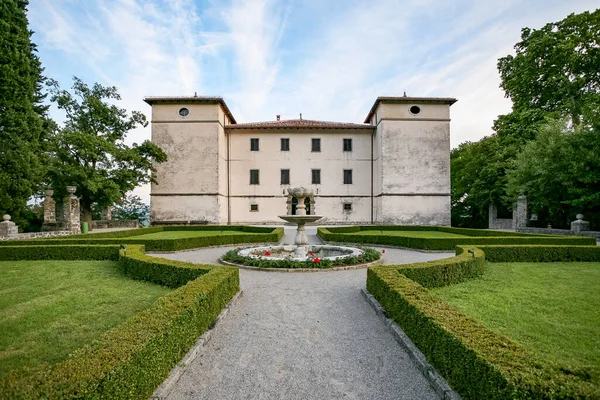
49 208
106 214
71 211
7 227
492 215
579 225
520 213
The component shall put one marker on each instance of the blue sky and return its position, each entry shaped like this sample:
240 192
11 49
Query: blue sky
326 59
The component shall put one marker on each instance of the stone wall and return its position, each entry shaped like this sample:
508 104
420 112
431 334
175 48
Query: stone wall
35 235
112 223
62 216
498 223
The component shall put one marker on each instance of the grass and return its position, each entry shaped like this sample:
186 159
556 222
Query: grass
189 234
416 234
549 308
50 308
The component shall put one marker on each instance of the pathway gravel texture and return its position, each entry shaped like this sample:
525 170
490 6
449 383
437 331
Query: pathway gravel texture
302 336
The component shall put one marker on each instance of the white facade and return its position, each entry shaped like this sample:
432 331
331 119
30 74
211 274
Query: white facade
399 161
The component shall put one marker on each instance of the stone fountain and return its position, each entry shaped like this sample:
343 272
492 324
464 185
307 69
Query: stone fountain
301 241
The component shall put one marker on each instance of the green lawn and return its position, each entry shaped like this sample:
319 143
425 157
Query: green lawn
50 308
550 308
416 234
189 234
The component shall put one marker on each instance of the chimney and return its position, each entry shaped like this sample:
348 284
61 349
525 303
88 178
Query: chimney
300 115
195 94
278 117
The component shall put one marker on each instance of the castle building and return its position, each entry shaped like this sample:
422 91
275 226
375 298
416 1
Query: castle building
392 169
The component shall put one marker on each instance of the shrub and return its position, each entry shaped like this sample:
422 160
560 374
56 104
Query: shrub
541 253
131 360
63 252
477 362
451 243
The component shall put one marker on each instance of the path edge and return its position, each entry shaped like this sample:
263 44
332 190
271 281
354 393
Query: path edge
437 382
164 389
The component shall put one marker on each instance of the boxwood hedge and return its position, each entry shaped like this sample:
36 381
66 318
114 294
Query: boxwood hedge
477 362
131 360
263 235
332 235
65 252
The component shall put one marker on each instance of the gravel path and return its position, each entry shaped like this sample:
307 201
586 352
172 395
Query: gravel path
302 336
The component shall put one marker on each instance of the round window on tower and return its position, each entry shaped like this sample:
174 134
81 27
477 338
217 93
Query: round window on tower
184 112
414 110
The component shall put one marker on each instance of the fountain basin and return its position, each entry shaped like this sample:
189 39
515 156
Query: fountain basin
288 252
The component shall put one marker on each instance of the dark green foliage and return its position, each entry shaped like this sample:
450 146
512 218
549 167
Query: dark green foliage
368 256
90 150
22 116
477 362
540 253
60 252
450 243
446 272
131 360
171 273
132 207
129 237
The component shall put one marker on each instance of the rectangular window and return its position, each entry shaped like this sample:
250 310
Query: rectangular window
347 177
285 176
347 144
347 206
253 207
254 177
285 144
316 145
316 177
254 144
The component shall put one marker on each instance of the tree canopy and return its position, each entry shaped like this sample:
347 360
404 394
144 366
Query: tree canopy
23 121
90 152
552 79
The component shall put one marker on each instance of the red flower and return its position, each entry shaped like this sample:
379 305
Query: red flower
383 251
267 253
317 259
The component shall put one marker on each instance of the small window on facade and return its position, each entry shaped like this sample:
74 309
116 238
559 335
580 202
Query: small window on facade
347 177
254 144
184 112
316 177
347 144
254 177
253 207
415 110
285 144
316 145
347 206
285 176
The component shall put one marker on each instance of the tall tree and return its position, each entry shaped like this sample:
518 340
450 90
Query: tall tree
90 150
555 69
554 74
22 114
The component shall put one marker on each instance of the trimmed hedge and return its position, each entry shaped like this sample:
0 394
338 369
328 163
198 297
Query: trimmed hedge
451 243
65 252
264 235
477 362
448 271
131 360
532 253
135 264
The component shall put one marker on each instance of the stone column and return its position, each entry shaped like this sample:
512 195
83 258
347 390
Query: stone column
579 225
492 215
49 208
520 213
7 227
71 211
106 214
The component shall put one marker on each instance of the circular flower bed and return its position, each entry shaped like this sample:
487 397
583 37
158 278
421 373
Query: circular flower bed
314 261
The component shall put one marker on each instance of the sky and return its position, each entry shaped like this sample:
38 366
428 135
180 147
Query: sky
326 59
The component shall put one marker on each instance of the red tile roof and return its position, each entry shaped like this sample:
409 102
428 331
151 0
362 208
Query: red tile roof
404 99
192 99
300 123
